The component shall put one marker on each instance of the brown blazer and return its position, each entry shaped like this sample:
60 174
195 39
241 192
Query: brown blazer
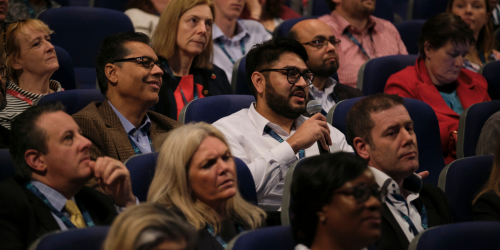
101 125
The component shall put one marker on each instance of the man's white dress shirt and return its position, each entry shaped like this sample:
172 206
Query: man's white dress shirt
268 159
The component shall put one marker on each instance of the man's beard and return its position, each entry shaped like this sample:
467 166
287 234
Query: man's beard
324 70
280 104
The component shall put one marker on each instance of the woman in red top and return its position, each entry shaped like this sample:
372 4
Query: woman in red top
438 78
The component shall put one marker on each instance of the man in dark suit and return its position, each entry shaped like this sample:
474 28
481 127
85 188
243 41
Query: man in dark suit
382 133
129 76
52 165
321 46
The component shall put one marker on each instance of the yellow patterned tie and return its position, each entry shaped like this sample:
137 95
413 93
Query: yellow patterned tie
76 215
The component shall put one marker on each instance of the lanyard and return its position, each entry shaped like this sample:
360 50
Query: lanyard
423 214
211 230
355 41
242 46
65 220
19 96
273 134
195 91
137 151
30 9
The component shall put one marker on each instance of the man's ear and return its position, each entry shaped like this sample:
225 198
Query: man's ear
259 81
110 71
361 147
35 160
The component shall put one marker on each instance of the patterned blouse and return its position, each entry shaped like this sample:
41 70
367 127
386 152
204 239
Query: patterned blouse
18 9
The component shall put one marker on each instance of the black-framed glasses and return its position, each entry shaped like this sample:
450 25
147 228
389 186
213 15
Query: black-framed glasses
363 192
145 61
293 75
320 42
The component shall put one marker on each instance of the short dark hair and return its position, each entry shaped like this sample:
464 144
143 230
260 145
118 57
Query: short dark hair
313 185
441 29
359 122
112 49
26 135
264 55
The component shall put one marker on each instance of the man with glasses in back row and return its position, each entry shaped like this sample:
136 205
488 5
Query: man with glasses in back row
129 76
272 134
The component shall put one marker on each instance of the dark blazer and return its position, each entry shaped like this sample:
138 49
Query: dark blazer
24 217
414 82
438 212
214 82
101 125
487 207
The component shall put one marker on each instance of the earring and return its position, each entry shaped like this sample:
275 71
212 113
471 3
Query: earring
322 219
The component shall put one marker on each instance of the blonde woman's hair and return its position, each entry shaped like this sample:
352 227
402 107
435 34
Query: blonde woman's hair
148 224
11 43
164 39
171 188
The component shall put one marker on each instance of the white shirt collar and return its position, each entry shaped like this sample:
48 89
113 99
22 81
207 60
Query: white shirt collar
412 184
241 32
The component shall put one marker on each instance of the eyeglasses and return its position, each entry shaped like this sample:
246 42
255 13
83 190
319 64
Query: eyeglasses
145 61
320 42
3 70
363 192
293 75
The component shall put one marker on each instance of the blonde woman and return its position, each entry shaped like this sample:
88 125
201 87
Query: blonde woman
196 176
149 227
187 55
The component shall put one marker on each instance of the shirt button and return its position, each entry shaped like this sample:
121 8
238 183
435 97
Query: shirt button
144 144
134 134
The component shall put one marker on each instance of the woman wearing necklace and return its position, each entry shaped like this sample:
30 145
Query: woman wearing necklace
31 61
187 56
22 9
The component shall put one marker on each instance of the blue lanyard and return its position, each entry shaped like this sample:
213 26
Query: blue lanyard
137 151
30 9
184 99
211 230
355 41
242 45
273 134
423 215
65 220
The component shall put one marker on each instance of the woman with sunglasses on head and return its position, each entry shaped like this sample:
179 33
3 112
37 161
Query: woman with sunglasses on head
187 55
336 203
31 61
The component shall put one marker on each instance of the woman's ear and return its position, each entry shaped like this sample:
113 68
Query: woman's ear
428 50
322 215
16 64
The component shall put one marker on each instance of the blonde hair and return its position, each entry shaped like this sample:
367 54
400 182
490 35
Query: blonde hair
11 43
171 187
128 228
164 39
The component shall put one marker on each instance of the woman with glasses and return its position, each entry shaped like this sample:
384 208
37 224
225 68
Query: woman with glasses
336 203
438 77
31 61
196 177
187 55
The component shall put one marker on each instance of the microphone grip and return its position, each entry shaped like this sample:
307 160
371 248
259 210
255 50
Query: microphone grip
321 149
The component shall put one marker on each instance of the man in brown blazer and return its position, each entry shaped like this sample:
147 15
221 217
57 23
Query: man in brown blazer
129 77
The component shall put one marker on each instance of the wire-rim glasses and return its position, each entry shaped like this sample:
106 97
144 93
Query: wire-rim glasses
320 42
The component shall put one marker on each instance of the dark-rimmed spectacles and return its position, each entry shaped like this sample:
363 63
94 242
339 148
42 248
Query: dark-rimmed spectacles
145 61
363 192
320 42
293 75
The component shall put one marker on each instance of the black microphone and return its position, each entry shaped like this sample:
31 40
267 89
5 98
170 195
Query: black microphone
313 107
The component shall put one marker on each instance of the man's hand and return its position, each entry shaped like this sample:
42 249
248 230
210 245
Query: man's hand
312 130
113 177
254 8
423 174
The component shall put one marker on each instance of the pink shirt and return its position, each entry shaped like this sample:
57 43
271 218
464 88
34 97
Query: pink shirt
380 38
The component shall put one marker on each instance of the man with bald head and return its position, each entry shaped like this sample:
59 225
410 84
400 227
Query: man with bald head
321 46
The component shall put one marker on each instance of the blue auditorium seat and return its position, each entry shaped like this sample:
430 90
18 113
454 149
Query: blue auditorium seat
63 3
286 214
89 238
425 9
284 28
426 128
470 125
7 169
119 5
73 100
410 33
373 74
239 80
490 71
66 72
459 236
142 169
269 238
462 180
212 108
